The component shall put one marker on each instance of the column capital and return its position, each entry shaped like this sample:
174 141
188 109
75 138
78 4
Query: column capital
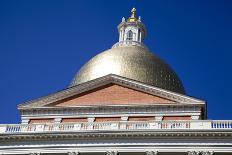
73 153
151 152
124 118
25 121
111 153
158 118
207 152
193 152
58 120
195 117
91 119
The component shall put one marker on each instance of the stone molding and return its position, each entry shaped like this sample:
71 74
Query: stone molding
104 110
109 135
200 152
102 151
129 43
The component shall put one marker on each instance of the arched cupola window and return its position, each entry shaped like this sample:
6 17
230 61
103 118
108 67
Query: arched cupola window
129 35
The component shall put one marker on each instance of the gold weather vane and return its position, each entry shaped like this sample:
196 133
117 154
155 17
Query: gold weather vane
133 17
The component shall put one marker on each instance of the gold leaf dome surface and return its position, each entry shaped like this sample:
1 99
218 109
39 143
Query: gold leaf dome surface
132 62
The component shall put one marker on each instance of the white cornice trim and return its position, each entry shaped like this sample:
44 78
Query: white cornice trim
112 110
167 134
43 101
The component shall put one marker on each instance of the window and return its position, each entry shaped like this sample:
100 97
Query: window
129 35
139 35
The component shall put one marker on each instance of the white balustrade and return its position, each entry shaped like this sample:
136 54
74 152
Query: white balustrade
93 126
174 125
221 124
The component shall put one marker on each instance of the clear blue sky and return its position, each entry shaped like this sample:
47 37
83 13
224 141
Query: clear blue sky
44 43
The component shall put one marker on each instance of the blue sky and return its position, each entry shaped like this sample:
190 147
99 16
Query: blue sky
44 43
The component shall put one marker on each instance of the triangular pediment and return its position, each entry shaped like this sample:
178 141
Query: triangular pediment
112 94
110 90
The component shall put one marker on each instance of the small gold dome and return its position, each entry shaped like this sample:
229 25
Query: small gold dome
133 62
133 17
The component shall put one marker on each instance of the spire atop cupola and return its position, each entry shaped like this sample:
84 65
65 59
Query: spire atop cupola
131 31
133 17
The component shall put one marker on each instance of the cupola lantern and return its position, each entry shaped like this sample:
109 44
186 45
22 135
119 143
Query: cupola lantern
132 30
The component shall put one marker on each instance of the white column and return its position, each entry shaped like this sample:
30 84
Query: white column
120 35
134 36
123 34
140 36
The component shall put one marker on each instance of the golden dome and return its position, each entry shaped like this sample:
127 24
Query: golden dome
133 62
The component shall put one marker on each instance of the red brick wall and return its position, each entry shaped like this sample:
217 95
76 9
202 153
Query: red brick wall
142 118
38 121
110 95
177 118
72 120
107 119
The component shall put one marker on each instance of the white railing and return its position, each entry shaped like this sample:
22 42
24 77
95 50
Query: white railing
221 124
96 126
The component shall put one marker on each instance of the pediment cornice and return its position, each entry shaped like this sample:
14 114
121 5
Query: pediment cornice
108 79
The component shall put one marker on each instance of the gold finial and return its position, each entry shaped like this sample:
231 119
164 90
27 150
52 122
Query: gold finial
133 17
